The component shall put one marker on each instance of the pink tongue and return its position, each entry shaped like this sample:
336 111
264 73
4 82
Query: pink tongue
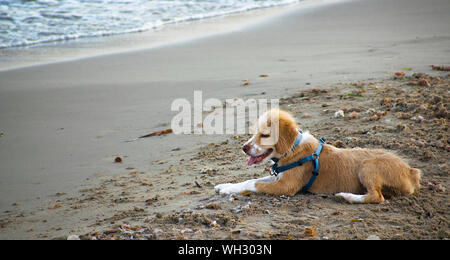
251 161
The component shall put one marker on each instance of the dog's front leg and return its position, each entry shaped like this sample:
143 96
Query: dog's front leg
249 185
287 184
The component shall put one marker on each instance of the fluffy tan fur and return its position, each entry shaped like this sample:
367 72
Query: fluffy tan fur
343 171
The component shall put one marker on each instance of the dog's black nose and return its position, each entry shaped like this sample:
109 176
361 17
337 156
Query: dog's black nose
246 148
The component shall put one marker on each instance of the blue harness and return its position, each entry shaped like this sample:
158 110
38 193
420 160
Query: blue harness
313 157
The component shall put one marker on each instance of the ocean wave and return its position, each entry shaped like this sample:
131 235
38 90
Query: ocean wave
24 23
61 16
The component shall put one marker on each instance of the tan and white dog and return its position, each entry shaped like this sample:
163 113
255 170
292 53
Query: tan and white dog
356 175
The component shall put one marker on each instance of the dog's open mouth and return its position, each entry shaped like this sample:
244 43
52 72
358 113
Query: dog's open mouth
259 158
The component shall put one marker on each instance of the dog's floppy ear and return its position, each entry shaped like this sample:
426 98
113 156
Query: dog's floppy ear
287 128
269 121
271 124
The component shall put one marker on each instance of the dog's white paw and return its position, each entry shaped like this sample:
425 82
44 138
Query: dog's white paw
351 198
221 187
233 188
226 188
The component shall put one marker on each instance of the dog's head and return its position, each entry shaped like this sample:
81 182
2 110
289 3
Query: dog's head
274 134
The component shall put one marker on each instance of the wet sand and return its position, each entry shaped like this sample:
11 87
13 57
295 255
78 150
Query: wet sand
64 123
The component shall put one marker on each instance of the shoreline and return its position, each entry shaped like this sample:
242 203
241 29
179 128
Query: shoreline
64 123
176 33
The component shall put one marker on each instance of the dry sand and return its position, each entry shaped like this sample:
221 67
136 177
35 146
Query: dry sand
63 124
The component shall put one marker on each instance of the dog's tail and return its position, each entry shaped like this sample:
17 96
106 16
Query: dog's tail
415 175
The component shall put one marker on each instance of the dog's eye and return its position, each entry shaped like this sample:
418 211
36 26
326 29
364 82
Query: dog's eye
265 136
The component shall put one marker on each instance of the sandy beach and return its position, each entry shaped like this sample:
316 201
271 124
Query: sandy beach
64 123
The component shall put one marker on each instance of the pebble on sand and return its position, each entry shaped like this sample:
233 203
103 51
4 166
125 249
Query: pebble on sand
339 113
73 237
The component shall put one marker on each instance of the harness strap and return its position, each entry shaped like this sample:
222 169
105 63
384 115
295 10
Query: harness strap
298 139
313 157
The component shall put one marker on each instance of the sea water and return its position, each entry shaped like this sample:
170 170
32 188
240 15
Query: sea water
29 22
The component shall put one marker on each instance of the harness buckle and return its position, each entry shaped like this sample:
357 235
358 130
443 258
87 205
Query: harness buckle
273 171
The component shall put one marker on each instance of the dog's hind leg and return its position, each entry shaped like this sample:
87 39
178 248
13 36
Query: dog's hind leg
373 194
387 170
372 180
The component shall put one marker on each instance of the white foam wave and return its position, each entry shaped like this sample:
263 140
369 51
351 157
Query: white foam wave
24 23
